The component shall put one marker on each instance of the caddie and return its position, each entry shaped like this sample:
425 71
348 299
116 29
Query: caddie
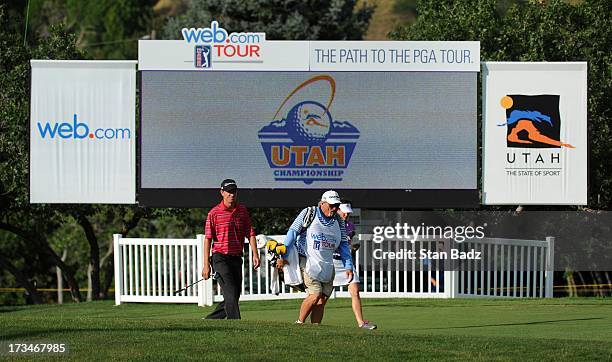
317 232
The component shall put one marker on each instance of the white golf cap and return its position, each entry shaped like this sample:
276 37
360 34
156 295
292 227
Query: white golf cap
331 197
346 208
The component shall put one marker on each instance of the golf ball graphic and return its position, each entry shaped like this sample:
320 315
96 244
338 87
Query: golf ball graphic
309 122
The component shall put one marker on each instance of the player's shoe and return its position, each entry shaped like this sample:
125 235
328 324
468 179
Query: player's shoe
368 325
298 322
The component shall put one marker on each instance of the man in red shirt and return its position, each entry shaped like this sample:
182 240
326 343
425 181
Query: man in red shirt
227 225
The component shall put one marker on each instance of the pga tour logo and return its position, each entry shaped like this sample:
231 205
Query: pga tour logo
230 47
203 56
304 143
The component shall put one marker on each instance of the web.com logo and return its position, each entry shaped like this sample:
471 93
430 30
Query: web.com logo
217 35
80 130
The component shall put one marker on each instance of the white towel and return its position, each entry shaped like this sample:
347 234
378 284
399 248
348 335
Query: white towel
291 272
274 284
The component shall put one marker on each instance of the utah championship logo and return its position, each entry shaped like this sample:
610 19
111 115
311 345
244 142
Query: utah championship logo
532 121
307 144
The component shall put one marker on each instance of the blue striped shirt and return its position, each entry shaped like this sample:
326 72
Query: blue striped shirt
295 233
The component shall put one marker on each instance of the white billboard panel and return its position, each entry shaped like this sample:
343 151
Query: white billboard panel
82 132
379 56
535 133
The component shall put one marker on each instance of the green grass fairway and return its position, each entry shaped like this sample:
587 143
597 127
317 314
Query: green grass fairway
460 329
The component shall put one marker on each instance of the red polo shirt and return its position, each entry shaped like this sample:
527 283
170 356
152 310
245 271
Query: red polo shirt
228 228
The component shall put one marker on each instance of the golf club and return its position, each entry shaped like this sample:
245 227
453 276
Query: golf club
187 287
215 276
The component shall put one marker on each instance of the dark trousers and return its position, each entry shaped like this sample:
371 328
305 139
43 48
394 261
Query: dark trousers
230 279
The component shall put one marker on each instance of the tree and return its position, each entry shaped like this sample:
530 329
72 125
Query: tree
538 31
23 270
49 227
31 224
110 29
107 29
279 19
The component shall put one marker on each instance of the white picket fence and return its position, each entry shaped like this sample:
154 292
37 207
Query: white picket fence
150 270
509 268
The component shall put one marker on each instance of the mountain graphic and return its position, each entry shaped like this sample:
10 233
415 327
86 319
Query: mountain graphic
343 127
280 127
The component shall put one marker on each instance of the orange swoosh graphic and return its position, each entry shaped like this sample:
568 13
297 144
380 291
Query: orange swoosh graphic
324 77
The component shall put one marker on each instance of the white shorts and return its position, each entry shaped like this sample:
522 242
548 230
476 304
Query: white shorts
340 277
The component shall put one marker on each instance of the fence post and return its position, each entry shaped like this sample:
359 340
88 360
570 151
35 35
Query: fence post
450 274
550 266
200 267
205 289
118 260
455 279
450 282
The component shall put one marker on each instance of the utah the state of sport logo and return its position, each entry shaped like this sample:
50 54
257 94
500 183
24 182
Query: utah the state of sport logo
533 135
307 144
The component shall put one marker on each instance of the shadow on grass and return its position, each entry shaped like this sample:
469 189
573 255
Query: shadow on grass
9 310
66 331
515 324
435 304
455 303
